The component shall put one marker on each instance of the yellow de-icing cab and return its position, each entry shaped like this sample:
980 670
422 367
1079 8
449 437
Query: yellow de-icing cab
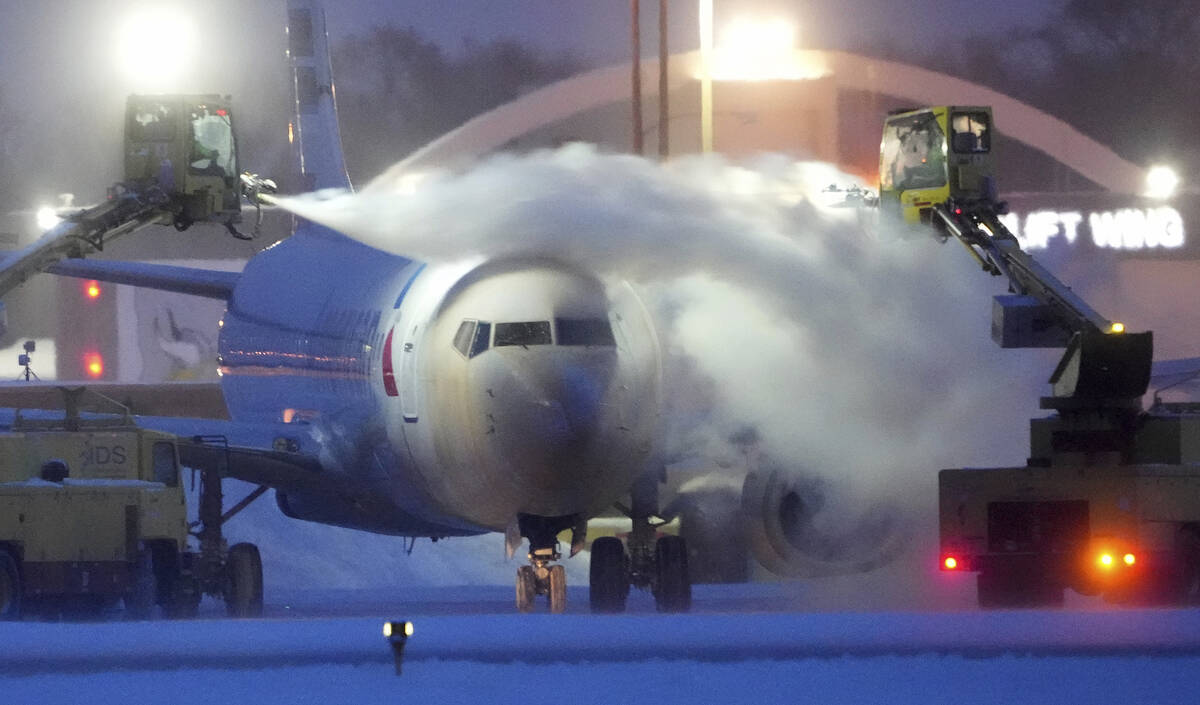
930 155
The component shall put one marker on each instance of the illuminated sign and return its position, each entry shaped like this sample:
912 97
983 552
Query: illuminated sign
1120 229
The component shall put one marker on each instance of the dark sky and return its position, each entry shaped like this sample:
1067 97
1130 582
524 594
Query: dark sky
59 83
598 29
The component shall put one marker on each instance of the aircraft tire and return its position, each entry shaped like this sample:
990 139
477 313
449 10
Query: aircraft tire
558 589
243 581
10 588
609 576
673 587
526 589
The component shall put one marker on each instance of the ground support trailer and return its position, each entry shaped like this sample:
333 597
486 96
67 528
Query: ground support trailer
93 513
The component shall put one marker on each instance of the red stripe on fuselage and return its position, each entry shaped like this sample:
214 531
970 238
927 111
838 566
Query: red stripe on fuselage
389 378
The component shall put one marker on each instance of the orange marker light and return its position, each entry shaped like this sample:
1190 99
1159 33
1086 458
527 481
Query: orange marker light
1130 559
94 364
950 563
92 289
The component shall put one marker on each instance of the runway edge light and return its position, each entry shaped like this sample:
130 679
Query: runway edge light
397 633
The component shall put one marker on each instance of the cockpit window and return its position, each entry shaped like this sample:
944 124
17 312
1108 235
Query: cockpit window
584 331
464 336
529 333
472 337
483 334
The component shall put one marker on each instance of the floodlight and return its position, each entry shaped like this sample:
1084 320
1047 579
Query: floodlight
1161 182
47 218
397 634
154 46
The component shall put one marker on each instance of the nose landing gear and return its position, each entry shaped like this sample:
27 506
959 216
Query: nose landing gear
542 576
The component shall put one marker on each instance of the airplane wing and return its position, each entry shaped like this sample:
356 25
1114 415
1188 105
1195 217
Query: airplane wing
208 283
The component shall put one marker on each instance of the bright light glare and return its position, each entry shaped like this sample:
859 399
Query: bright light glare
94 365
1117 327
761 50
759 36
1130 559
1161 182
47 218
154 46
951 562
1106 560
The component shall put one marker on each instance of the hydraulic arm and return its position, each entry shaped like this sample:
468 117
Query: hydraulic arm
180 168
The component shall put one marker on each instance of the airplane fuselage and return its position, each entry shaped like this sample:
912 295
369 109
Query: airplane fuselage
447 399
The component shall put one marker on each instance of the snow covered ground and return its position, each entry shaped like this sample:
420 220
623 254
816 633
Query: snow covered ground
468 648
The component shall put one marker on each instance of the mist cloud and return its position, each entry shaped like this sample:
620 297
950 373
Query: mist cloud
867 363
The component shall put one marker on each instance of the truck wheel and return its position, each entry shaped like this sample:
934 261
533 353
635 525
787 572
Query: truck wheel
609 576
673 586
1188 551
243 581
143 587
10 588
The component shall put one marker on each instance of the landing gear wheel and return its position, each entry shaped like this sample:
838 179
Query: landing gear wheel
143 588
558 589
608 576
526 588
243 581
10 588
673 586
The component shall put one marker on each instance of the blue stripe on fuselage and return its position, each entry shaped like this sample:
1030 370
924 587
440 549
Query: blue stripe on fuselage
408 285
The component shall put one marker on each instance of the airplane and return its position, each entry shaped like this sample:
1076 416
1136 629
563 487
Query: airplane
379 393
371 391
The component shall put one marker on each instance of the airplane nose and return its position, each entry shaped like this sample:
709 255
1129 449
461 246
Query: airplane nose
550 409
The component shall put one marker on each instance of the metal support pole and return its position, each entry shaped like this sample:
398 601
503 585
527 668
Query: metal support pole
664 97
636 74
706 58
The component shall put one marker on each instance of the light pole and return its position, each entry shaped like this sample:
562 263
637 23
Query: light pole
706 59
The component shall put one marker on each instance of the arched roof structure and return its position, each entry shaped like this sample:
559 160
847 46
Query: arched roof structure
599 87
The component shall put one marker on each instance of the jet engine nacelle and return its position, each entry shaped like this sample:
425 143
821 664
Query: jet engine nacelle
783 523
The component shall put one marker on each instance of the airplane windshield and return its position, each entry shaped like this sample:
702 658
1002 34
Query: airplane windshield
584 331
464 336
473 338
528 333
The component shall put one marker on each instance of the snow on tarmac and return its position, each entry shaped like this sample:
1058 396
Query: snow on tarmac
1146 656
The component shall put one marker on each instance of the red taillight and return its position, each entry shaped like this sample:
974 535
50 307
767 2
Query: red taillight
93 364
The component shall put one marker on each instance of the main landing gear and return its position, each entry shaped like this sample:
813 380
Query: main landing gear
542 576
657 563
